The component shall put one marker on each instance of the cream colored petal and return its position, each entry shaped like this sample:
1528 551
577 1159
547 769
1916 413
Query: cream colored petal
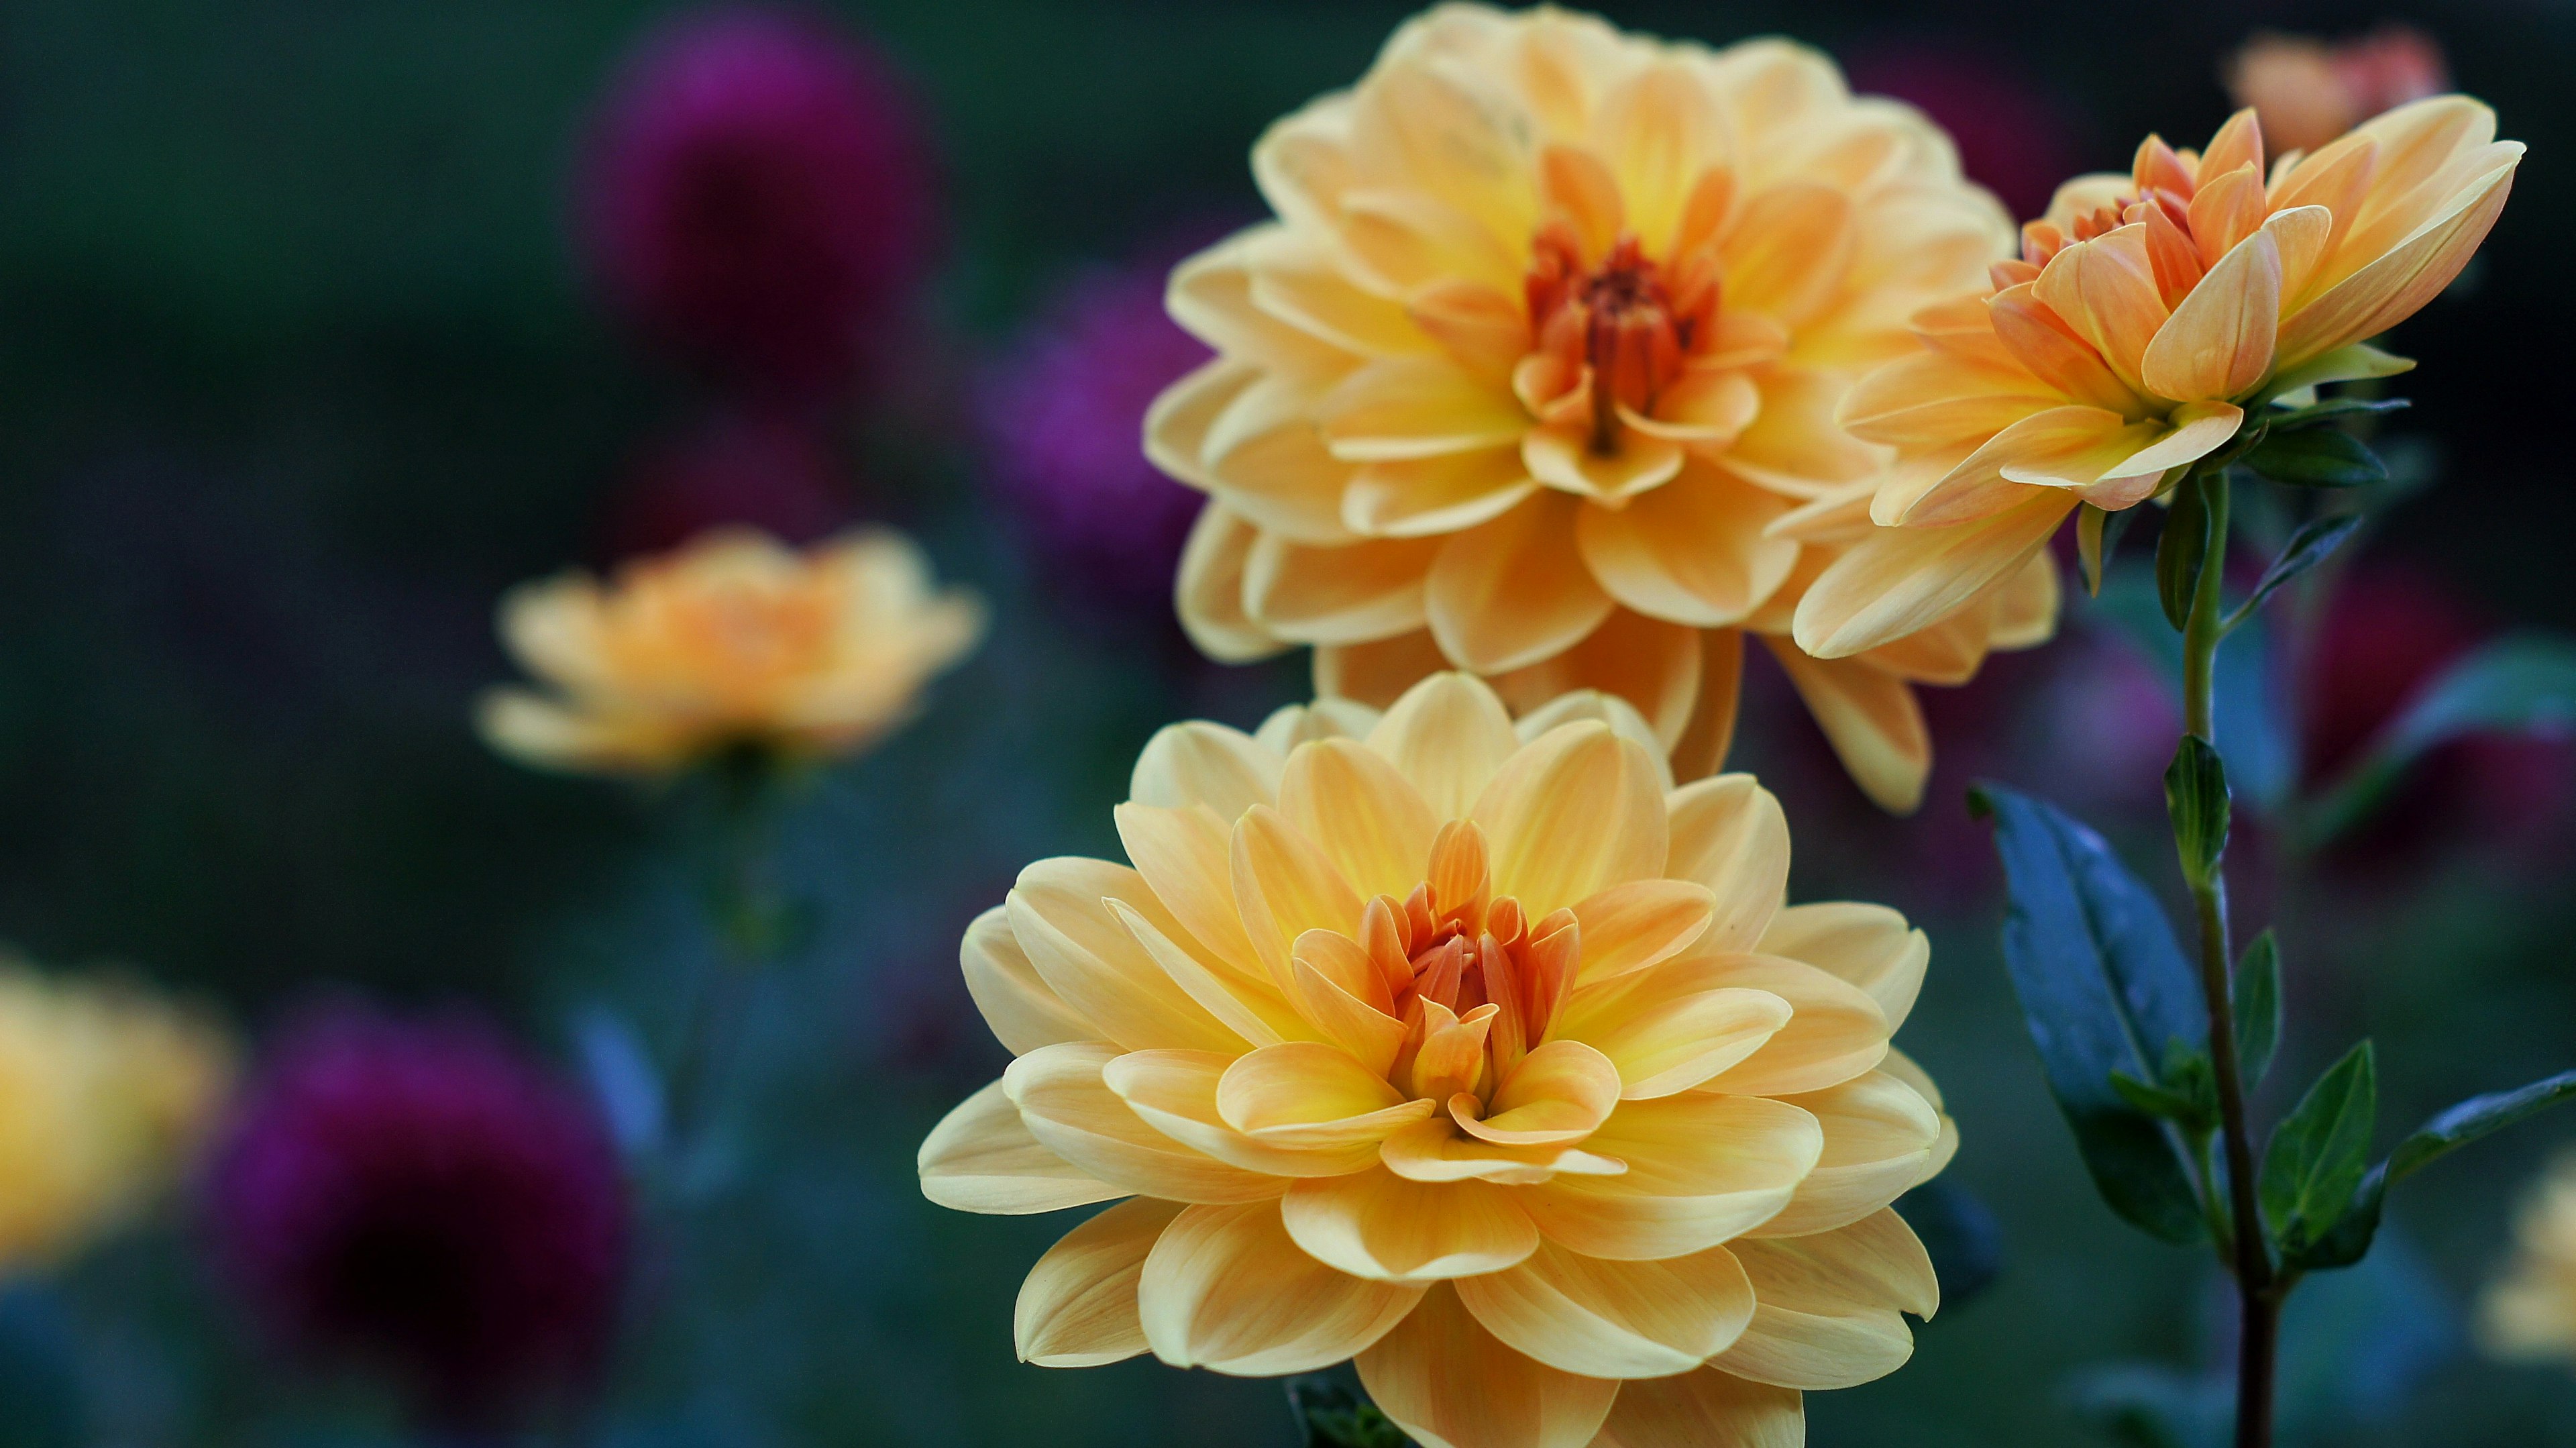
1657 129
1554 1096
1445 130
2199 429
1607 1319
2218 343
1209 592
1872 720
1342 1016
1635 924
1837 1032
1246 1002
1932 398
1285 885
1415 407
1869 946
1017 1003
1307 1092
1350 593
1652 667
1448 1383
1384 1227
1077 1307
1226 1290
1437 1151
981 1158
1447 734
1295 279
2394 287
1376 674
1176 1093
1703 1169
539 732
1428 497
1666 1030
1903 579
1072 1112
1515 590
1827 1305
1581 706
1705 1409
1183 855
1572 814
1879 1138
1088 958
1729 835
1263 458
1693 552
1202 763
2069 447
1367 817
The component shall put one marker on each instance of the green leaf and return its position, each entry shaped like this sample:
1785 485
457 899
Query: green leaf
2321 1151
2447 1132
2315 413
2103 987
2317 457
2179 553
2316 540
2184 1093
2097 538
1330 1415
2522 684
2196 799
2257 1008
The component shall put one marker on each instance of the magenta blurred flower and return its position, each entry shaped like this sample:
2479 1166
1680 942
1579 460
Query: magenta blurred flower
422 1197
757 194
2012 138
1063 413
770 469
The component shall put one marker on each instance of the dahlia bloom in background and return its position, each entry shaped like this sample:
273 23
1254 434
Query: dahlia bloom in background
756 193
2012 137
423 1198
2151 318
103 1093
767 469
2529 1311
1060 412
732 640
1480 1053
1535 373
2307 92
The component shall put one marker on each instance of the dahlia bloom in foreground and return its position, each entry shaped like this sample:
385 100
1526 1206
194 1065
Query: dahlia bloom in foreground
2306 92
2151 318
2529 1313
422 1197
1535 375
730 641
102 1093
1481 1054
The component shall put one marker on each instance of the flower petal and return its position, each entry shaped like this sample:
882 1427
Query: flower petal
1427 497
1416 407
1077 1307
1693 552
1202 763
1869 946
1729 835
1339 593
1879 1136
1381 1226
2106 290
981 1158
1837 1033
1903 579
1209 592
1553 1096
1666 1030
1704 1409
1826 1313
1176 1093
1515 590
2218 343
1285 885
1703 1169
1436 1151
1226 1290
1608 1319
1633 925
1017 1003
1073 1113
1093 964
1449 1383
1872 720
1361 810
1651 666
2394 287
1448 735
1570 815
1249 1004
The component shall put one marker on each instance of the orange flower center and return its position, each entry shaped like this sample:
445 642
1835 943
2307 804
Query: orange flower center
1623 322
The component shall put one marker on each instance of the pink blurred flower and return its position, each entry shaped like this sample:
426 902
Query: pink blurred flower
757 194
2012 138
2306 92
1063 413
766 469
421 1196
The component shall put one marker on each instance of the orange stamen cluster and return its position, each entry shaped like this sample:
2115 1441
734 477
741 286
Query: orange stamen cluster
1628 323
1475 981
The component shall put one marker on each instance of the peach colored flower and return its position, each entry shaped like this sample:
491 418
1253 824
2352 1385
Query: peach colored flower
1481 1054
103 1092
2528 1313
1534 373
2151 319
2307 92
732 639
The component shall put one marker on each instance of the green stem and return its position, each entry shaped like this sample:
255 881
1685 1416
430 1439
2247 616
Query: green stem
742 901
2256 1290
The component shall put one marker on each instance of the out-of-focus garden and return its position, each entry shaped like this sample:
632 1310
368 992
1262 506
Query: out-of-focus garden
324 326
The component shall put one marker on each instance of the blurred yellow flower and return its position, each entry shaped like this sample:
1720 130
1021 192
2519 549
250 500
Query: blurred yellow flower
2148 315
1480 1053
2529 1312
732 639
1534 374
103 1091
2307 92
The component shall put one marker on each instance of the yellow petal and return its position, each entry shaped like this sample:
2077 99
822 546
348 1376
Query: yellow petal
1295 279
1247 1003
1201 763
1077 1307
1342 1016
1381 1226
1427 497
1869 946
1436 1151
1307 1092
1183 855
1794 447
1563 458
1226 1290
1879 1137
1903 579
1285 885
1572 814
981 1158
1209 592
1515 590
1359 808
1447 734
1483 329
1344 593
1092 963
1691 553
1704 1409
1933 397
1710 730
1553 1096
1729 835
1787 251
2049 346
1872 720
1666 1030
1837 1032
1657 130
2218 343
2394 287
1023 1012
1175 1093
2199 429
1415 407
1607 1319
2026 606
1072 1112
1448 1383
1826 1305
1652 667
1376 674
1439 129
1633 925
1703 1169
2106 290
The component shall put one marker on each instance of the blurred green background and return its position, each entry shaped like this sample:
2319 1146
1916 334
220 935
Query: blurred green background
297 372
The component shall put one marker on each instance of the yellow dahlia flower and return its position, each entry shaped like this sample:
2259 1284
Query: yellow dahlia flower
732 639
102 1093
1534 373
1480 1053
2529 1313
2149 315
